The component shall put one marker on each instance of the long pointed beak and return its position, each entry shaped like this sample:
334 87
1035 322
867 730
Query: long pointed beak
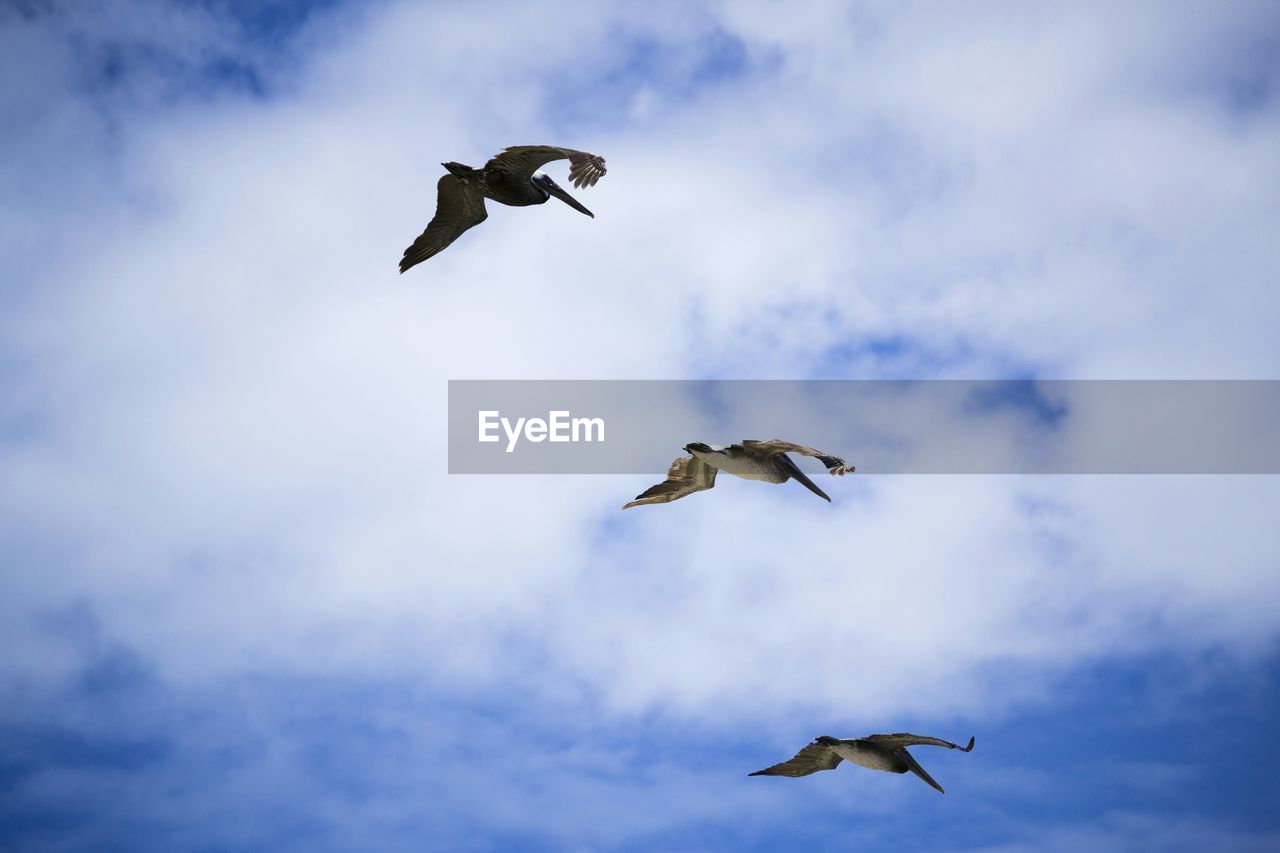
799 476
915 768
555 190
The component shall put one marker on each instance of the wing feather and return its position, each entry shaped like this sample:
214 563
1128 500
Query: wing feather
687 475
814 757
905 739
585 169
835 465
458 207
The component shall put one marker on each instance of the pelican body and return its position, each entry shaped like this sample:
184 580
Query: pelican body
742 462
875 752
766 461
513 188
512 178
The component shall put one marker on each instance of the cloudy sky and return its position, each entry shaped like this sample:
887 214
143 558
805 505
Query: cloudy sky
243 605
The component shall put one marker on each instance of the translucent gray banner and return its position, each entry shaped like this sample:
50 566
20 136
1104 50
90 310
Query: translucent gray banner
882 427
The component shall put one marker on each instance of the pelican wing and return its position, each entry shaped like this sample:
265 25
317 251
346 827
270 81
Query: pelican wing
904 739
835 465
687 475
584 168
458 207
811 759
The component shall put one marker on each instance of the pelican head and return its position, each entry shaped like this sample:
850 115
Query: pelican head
543 181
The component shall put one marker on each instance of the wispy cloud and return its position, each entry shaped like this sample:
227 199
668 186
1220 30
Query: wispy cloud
233 561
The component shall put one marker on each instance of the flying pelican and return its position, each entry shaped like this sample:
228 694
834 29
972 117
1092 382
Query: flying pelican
511 177
751 460
878 752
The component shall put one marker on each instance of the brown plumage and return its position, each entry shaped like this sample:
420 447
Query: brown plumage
876 752
751 460
510 178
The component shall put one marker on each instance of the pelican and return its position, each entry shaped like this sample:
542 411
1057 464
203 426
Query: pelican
751 460
878 752
511 177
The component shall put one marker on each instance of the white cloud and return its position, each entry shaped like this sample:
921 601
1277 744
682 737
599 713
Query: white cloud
239 441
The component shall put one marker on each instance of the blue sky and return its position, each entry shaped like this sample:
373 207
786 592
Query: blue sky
244 606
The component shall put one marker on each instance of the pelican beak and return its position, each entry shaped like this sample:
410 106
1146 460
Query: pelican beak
799 476
554 189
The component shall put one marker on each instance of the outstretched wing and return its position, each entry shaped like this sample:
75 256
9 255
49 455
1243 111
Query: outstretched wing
584 168
835 465
458 207
687 475
905 739
811 759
